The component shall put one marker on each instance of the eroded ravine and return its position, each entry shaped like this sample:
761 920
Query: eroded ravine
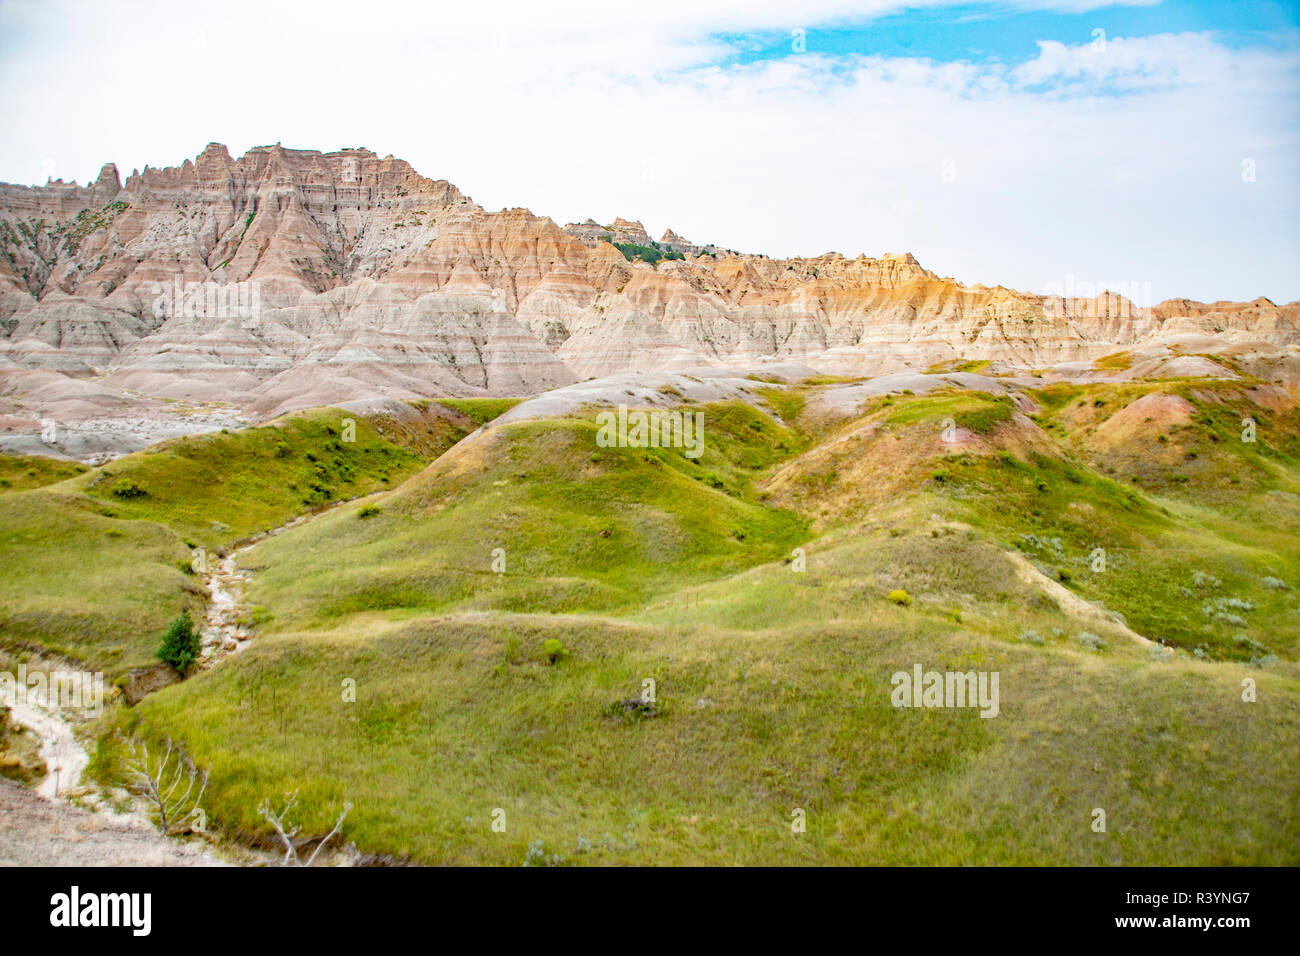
65 758
223 633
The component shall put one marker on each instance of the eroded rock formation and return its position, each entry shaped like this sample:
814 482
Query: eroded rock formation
289 277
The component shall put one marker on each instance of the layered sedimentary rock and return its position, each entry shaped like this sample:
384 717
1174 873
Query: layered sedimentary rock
294 275
675 243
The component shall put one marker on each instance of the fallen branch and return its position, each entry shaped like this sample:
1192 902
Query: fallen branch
287 831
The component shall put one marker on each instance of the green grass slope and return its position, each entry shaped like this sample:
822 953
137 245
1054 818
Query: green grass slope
1176 564
21 472
458 716
755 589
97 564
85 584
221 487
579 527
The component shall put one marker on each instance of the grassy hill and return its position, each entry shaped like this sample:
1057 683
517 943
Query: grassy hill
772 665
85 584
98 563
20 472
458 716
579 527
475 635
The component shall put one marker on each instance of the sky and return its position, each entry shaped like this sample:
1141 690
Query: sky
1149 147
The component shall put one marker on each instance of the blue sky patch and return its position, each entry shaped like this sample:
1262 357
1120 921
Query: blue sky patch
983 31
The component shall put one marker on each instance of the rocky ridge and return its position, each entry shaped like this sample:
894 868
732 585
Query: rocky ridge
292 277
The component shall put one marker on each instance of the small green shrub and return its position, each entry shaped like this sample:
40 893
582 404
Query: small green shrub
553 650
900 597
129 488
181 644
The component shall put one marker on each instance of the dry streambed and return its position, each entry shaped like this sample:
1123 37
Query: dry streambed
223 631
35 831
41 827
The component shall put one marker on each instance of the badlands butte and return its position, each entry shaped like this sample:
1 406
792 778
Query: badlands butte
364 280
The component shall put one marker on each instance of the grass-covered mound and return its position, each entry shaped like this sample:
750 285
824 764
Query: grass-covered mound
85 584
455 717
21 472
1177 568
220 487
1173 573
1211 442
864 466
479 410
578 527
97 565
770 589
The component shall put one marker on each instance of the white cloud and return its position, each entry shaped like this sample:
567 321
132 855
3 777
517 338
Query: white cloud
577 110
1188 59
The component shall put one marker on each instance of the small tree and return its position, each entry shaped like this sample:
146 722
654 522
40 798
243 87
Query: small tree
181 644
